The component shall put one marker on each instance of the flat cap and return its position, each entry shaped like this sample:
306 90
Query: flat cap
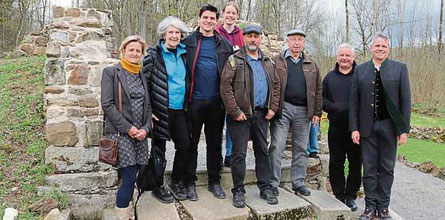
296 32
252 28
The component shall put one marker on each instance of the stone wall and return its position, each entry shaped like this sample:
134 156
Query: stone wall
79 46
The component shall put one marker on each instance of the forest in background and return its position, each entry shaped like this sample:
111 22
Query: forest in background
415 28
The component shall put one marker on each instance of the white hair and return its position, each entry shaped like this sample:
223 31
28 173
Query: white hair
174 22
347 46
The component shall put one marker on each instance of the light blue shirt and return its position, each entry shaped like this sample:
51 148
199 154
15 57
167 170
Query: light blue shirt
288 54
176 76
260 85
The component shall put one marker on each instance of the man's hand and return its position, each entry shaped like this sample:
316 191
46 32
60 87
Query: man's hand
403 138
241 117
133 131
269 115
315 121
355 136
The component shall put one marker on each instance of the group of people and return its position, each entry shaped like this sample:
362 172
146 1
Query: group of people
218 75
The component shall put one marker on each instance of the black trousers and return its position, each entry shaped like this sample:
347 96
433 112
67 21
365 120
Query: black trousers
177 126
211 115
379 151
257 127
340 147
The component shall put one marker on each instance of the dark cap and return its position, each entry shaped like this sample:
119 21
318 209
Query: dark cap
253 28
296 32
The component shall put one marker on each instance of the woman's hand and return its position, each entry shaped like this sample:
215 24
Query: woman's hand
141 135
132 132
153 116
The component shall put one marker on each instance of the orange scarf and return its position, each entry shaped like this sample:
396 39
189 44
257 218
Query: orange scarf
130 67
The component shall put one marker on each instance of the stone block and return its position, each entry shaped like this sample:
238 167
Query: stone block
89 50
58 12
85 183
314 168
72 35
10 214
87 22
75 159
94 132
41 41
149 207
54 73
90 206
78 74
80 112
27 48
55 214
109 214
39 50
17 54
88 102
209 207
77 90
59 24
289 205
54 111
327 206
324 161
96 75
54 89
53 49
60 36
96 35
61 134
72 12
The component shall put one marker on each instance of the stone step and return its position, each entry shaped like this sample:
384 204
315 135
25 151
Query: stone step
149 207
289 206
108 214
325 206
361 209
209 207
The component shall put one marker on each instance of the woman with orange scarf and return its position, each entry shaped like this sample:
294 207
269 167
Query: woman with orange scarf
133 124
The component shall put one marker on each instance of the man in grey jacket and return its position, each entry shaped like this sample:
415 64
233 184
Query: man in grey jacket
379 116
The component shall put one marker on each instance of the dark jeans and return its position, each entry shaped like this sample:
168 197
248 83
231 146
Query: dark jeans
211 115
379 158
340 146
257 127
124 193
177 126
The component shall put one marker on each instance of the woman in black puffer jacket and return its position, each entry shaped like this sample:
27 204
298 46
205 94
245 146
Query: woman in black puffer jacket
165 70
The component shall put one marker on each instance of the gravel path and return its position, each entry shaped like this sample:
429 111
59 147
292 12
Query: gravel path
416 195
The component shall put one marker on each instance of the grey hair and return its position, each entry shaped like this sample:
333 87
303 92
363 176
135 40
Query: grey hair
382 36
347 46
174 22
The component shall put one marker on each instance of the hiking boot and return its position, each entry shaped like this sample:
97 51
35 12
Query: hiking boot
303 190
267 195
177 190
384 214
238 199
275 191
162 195
191 192
368 214
217 191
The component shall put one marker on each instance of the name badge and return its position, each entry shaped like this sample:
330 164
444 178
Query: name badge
235 48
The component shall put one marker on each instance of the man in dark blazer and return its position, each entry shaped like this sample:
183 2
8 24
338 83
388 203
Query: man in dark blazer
379 116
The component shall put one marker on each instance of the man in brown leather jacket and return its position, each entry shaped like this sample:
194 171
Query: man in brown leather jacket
300 103
250 92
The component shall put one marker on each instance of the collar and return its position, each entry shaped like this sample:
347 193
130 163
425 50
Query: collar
249 58
130 67
381 65
337 69
288 54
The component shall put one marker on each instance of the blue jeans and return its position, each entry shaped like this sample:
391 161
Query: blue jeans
312 144
228 139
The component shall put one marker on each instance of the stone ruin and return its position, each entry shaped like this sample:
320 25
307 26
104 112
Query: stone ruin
79 46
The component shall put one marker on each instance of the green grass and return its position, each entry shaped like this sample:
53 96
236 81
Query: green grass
420 120
22 144
420 151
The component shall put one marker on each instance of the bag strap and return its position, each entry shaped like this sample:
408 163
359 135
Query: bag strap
119 96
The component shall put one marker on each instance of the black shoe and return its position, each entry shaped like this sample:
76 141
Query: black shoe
227 161
217 191
238 199
177 190
191 192
384 214
303 190
351 204
267 195
275 191
314 155
162 195
368 214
